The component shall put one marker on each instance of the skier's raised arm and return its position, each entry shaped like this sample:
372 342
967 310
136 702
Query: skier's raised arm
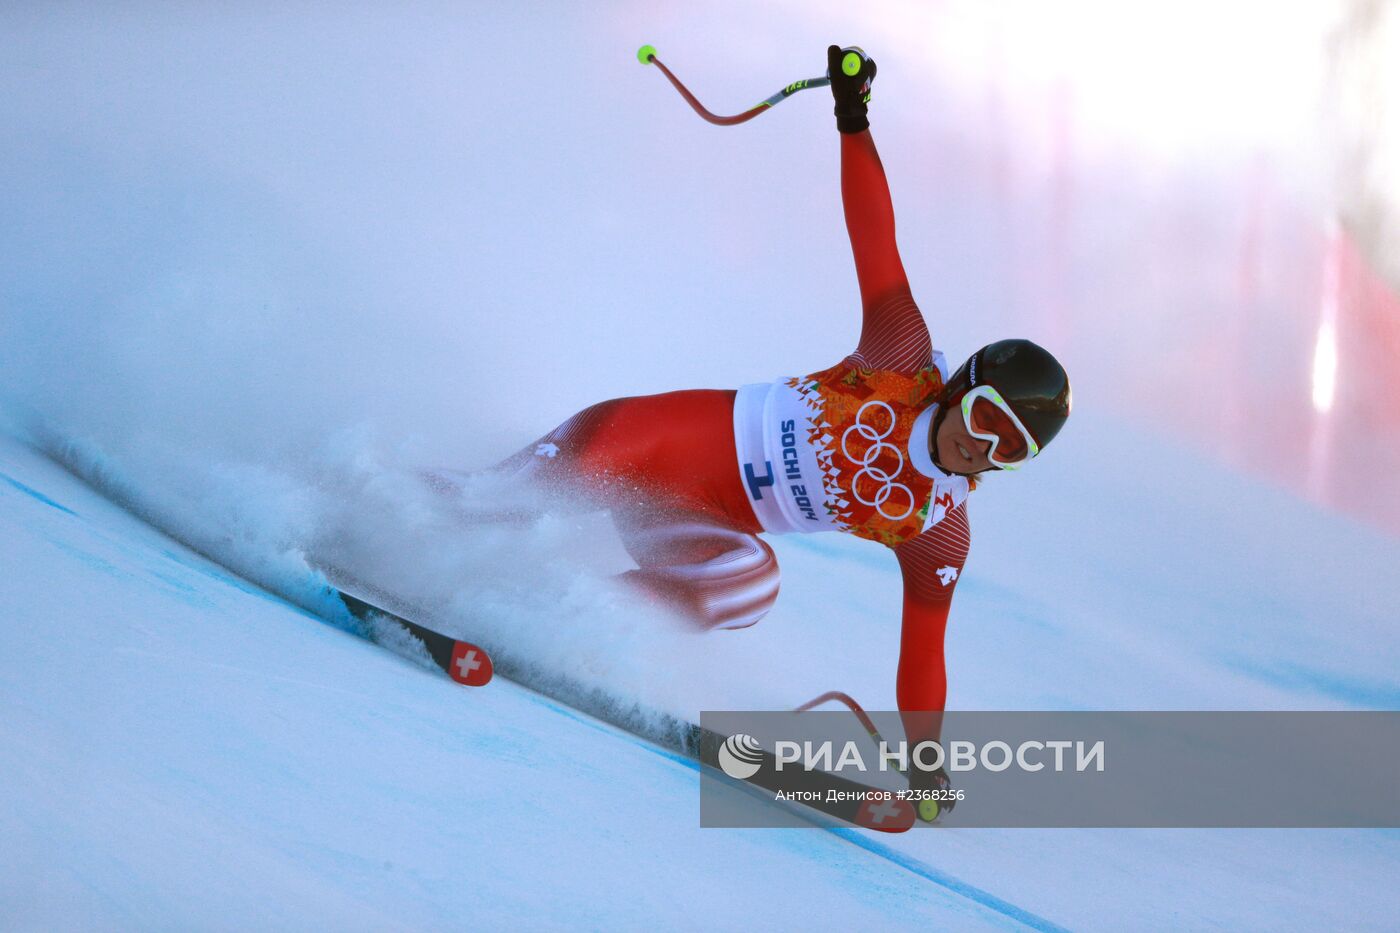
893 334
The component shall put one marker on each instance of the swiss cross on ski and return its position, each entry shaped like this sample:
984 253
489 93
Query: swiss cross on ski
888 814
470 665
461 660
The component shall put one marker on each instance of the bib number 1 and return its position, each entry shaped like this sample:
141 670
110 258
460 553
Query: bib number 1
756 482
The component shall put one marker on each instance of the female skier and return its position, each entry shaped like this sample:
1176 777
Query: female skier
886 445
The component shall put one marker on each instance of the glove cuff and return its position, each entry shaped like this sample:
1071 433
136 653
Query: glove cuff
852 123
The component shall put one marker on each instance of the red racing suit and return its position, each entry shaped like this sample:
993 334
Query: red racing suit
693 477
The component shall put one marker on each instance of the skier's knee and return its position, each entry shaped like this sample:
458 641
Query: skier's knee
734 589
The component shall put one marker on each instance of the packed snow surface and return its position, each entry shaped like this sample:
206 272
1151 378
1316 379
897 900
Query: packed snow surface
264 265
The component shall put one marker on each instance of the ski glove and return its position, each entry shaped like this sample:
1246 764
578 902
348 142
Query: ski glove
933 793
851 72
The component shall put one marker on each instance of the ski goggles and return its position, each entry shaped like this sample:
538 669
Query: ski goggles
989 418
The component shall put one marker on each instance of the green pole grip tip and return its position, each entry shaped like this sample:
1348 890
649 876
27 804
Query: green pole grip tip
645 53
850 64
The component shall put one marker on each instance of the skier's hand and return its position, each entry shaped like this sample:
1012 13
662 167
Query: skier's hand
851 72
934 793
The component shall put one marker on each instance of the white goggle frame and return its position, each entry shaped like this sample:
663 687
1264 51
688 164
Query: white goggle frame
992 395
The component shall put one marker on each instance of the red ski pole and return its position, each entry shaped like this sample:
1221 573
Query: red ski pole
647 56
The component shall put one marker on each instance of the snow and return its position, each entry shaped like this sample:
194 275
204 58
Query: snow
263 266
185 751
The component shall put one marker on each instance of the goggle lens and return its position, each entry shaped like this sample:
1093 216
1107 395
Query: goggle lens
986 417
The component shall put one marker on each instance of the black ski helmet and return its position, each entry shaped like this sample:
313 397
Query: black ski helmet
1031 380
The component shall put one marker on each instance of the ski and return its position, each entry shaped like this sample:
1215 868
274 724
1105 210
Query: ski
829 794
463 661
832 796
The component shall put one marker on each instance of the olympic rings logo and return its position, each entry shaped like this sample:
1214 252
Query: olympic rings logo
868 469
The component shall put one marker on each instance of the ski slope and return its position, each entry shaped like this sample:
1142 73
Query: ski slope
185 751
261 265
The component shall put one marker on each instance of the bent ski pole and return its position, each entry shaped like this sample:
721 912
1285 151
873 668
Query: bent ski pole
647 56
849 702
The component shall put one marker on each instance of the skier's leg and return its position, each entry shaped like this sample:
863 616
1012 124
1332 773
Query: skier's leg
672 452
665 466
717 577
559 453
540 473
